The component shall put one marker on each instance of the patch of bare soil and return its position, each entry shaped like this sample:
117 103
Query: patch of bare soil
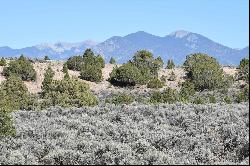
2 78
179 73
230 70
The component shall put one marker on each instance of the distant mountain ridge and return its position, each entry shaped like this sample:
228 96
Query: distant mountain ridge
177 45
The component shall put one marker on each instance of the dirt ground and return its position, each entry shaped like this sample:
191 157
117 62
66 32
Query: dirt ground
57 66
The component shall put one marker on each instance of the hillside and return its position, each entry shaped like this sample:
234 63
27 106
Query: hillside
57 66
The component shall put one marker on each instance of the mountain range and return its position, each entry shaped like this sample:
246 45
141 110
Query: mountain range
177 45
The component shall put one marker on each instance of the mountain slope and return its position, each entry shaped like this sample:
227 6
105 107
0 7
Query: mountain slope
59 50
177 45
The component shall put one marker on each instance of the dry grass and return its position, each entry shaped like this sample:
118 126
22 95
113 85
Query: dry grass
57 66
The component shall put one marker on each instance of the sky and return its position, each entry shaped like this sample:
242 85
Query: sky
30 22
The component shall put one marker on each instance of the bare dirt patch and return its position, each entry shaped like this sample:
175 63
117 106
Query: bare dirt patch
2 78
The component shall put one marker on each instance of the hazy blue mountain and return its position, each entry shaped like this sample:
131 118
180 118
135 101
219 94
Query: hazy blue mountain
176 45
59 50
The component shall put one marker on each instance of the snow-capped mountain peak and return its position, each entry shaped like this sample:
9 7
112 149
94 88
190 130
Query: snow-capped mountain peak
60 47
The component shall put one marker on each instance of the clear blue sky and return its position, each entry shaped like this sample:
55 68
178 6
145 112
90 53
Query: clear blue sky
29 22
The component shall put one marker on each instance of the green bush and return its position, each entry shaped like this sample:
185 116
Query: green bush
48 79
21 67
155 83
145 75
46 58
112 60
15 95
89 58
66 75
75 63
68 93
167 96
89 65
91 69
243 95
3 62
227 81
199 100
120 99
243 73
140 70
125 75
91 73
163 78
212 99
187 90
159 62
65 71
100 60
227 100
170 64
146 63
65 68
6 124
205 72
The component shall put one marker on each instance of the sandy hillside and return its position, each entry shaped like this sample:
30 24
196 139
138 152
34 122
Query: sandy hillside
57 66
1 77
230 70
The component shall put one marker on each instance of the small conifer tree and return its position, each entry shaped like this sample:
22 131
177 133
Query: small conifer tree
46 58
65 68
3 62
21 67
170 64
48 78
112 60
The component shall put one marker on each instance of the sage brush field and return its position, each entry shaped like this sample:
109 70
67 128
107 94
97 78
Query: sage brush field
130 134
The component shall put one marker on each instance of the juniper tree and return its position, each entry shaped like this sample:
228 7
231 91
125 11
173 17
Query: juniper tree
66 75
48 78
112 60
159 62
21 67
139 70
100 61
65 71
125 75
91 69
205 72
170 64
46 58
244 70
68 93
15 95
75 63
65 68
3 62
91 73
